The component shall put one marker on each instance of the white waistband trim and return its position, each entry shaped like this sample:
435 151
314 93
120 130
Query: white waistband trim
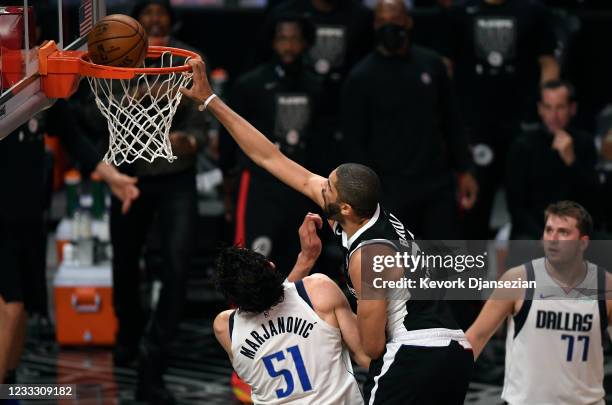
434 337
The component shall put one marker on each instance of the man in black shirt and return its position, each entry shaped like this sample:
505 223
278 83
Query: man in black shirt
281 98
168 194
343 35
400 118
500 51
552 163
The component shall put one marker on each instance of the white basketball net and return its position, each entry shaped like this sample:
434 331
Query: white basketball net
139 112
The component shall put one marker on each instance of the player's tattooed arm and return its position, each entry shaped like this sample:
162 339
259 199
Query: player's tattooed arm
311 246
501 304
252 142
371 309
221 329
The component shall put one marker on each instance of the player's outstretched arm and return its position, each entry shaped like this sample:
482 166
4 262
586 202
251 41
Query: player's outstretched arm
221 328
252 142
332 306
498 307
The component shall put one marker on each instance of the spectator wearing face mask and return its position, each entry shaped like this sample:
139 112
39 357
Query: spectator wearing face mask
400 118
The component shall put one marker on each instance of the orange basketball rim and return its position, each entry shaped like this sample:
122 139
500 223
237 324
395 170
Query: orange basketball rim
61 71
138 103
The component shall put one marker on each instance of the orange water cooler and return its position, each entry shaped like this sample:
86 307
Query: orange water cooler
84 313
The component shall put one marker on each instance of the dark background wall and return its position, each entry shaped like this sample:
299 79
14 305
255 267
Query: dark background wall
229 38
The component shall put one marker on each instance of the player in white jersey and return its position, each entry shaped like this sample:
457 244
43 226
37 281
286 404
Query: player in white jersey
287 339
554 352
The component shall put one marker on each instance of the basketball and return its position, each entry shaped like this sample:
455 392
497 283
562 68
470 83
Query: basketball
117 40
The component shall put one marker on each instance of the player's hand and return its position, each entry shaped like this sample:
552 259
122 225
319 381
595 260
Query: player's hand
309 240
200 87
183 144
468 190
123 187
564 144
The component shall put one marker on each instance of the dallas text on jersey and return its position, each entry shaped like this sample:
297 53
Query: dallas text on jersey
565 321
291 324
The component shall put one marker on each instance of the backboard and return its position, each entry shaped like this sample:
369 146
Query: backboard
67 22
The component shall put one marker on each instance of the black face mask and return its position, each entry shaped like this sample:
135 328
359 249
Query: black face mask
392 37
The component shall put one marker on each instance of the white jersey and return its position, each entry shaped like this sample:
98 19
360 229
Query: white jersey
290 355
554 353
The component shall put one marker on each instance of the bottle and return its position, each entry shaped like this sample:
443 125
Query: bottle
68 255
85 241
100 219
109 247
97 192
65 232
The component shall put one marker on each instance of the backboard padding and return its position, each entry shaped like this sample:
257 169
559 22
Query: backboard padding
67 22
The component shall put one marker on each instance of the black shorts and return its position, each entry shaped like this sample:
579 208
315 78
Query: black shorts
420 375
22 264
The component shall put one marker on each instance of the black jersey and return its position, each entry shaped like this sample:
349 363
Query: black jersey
403 314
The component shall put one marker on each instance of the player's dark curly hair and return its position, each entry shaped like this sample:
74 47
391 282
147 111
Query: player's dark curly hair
248 279
358 186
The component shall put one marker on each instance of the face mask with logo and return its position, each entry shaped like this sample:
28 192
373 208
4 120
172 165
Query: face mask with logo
392 36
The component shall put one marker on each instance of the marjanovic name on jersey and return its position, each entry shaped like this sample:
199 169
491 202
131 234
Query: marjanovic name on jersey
290 324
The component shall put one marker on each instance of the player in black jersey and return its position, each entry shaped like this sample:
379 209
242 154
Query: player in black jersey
416 345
